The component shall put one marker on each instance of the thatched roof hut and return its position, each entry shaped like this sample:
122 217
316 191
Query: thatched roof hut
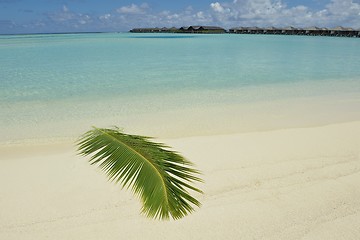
272 30
312 31
343 32
289 30
238 30
202 29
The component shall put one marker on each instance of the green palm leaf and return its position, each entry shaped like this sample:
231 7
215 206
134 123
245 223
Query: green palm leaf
160 177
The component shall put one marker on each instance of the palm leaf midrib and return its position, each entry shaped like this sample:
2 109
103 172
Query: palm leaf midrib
144 158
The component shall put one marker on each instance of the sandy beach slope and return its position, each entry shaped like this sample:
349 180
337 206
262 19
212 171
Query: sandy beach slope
284 184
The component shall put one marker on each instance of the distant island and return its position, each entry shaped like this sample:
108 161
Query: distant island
191 29
311 31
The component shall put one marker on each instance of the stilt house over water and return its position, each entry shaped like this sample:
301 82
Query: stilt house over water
190 29
310 31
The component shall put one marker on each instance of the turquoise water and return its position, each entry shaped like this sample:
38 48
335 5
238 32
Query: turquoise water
52 84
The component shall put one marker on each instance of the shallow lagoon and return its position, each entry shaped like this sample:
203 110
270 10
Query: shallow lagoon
170 85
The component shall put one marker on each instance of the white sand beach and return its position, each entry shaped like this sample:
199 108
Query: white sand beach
296 183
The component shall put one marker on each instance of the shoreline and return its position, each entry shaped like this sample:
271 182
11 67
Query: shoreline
54 141
193 113
47 146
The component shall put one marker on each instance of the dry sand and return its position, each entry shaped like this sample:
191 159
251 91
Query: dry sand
282 184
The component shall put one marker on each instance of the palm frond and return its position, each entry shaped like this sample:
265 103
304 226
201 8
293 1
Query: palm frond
159 176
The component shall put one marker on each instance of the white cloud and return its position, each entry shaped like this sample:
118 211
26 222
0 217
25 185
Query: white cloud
61 16
275 12
142 16
343 8
133 9
230 13
65 8
217 7
106 16
65 18
7 24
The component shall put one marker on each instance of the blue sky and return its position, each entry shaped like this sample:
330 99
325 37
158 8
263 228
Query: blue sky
36 16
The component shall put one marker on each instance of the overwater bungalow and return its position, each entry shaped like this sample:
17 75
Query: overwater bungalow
344 32
202 29
239 30
154 30
183 29
300 31
247 30
232 30
311 31
169 30
272 30
145 30
255 30
325 32
289 31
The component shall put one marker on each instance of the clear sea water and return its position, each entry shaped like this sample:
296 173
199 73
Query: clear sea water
168 85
